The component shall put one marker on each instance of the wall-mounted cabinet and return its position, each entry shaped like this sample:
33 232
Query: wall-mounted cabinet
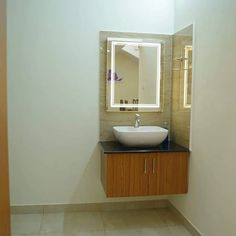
143 174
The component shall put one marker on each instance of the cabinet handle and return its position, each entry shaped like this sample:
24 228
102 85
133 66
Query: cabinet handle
153 165
145 166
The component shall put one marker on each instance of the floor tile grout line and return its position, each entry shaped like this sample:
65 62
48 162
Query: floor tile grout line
41 225
103 223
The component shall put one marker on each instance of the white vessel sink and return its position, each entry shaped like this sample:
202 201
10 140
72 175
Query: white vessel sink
141 136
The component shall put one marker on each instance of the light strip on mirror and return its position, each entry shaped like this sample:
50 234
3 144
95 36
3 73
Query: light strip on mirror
136 106
135 43
112 73
158 83
124 40
158 47
187 48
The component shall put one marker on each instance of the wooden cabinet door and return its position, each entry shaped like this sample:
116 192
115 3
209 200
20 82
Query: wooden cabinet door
126 174
173 172
154 172
139 174
117 175
4 185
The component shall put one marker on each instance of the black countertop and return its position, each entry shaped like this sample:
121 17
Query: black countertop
116 147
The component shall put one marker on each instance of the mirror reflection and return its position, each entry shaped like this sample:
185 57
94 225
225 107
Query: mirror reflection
133 75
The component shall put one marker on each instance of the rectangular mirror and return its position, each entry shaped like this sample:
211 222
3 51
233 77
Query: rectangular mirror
133 75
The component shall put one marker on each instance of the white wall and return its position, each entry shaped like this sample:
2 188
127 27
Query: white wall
53 76
211 201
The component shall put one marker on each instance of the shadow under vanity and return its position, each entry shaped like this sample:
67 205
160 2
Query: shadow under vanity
154 73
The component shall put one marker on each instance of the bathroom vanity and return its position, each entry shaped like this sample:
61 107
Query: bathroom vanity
136 77
142 171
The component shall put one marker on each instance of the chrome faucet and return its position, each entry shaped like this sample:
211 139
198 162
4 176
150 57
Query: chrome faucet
137 120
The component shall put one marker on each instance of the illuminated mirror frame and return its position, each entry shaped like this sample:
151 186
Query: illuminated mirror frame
187 49
134 42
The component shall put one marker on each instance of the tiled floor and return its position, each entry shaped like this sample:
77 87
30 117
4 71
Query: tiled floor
159 222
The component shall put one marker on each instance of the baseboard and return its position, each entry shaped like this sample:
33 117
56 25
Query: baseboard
104 206
191 228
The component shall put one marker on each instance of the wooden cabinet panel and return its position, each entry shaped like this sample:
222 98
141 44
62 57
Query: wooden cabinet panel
139 175
117 175
154 180
142 174
174 173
